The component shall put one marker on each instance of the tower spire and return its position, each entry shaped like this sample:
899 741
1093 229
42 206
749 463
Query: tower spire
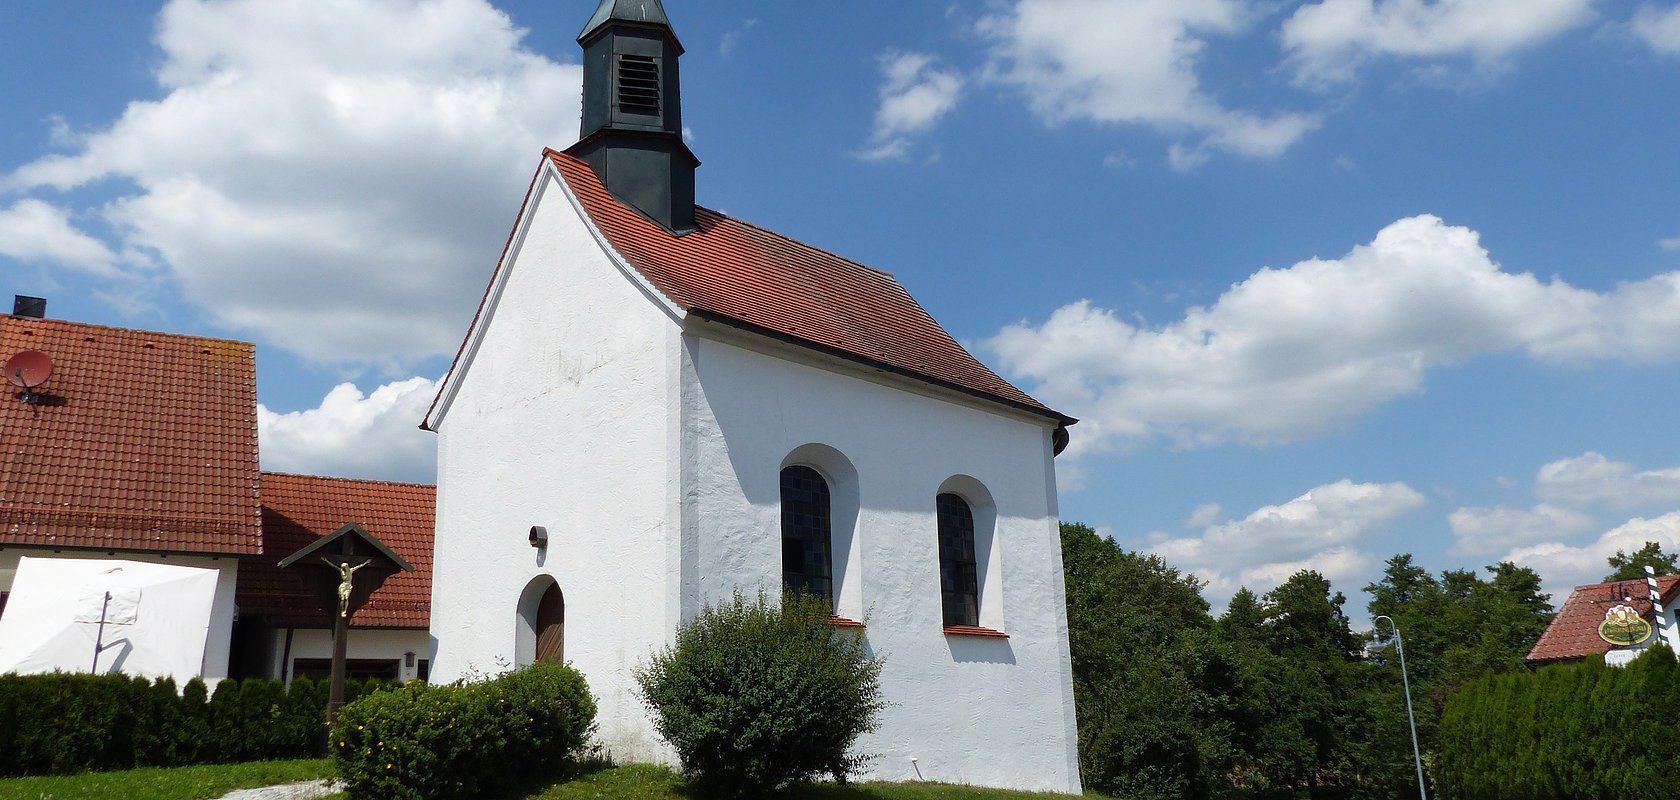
632 111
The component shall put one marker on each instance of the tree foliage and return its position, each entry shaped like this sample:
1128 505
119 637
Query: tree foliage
1149 677
1626 566
1279 696
1565 731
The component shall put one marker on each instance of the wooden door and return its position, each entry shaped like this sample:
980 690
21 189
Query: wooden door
551 627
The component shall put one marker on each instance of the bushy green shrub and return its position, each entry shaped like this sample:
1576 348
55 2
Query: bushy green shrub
462 740
1564 731
757 697
62 723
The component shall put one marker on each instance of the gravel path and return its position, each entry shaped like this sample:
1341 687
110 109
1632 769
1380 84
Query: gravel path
308 790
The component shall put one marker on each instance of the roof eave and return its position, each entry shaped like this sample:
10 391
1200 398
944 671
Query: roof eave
1061 420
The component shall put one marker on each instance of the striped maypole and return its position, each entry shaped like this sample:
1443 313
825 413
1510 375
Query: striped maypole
1658 615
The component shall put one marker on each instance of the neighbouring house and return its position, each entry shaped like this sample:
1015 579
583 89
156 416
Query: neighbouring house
1615 620
283 631
658 405
142 447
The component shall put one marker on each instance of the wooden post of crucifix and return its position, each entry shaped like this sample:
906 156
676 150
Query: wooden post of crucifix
330 566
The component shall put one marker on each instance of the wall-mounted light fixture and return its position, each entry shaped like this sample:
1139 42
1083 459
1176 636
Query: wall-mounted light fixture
408 659
539 536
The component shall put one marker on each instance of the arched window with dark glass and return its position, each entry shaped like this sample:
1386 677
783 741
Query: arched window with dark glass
806 531
958 571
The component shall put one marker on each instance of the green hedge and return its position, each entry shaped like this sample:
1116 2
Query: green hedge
463 740
1567 731
65 723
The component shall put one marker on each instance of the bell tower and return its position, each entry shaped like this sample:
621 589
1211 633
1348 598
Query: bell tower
632 111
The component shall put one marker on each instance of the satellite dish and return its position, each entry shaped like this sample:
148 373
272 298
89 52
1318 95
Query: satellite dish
28 369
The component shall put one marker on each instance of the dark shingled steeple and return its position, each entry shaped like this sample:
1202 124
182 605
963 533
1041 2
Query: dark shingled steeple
632 111
645 11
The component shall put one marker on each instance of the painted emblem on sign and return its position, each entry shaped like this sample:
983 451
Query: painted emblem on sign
1623 627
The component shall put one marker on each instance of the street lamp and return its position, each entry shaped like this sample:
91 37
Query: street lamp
1400 647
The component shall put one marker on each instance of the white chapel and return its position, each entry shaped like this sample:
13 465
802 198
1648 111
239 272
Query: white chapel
658 404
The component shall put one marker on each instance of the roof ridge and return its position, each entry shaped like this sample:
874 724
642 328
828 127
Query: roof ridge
738 270
278 474
80 324
800 242
1604 584
551 152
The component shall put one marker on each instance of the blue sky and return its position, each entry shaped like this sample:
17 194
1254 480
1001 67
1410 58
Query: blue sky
1326 281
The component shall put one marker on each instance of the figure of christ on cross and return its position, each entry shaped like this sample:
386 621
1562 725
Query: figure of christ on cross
345 571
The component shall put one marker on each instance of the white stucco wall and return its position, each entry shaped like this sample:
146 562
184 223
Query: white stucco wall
993 712
222 610
562 416
381 644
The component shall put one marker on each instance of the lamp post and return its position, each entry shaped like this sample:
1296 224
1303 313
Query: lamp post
1405 683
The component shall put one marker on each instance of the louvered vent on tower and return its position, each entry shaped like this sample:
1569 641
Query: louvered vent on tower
638 85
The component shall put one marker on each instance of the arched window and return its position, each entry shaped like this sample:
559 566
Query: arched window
806 531
958 574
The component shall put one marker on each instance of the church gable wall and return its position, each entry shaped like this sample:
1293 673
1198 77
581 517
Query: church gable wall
981 710
561 418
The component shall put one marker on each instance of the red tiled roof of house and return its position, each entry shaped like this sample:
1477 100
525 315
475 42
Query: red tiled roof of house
1574 631
298 509
744 275
141 441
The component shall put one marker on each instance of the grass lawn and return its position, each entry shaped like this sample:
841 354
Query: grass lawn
645 782
179 783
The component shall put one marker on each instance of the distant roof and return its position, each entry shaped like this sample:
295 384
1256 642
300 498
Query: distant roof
741 274
143 441
297 510
1573 633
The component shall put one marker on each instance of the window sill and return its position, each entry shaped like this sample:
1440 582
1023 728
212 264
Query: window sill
842 622
970 630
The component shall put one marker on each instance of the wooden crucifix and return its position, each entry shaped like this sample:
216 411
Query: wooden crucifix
330 566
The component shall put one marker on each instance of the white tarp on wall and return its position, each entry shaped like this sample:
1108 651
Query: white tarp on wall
156 617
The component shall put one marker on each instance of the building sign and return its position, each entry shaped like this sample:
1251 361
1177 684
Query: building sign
1624 627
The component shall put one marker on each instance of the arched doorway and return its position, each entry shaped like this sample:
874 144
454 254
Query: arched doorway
540 629
551 626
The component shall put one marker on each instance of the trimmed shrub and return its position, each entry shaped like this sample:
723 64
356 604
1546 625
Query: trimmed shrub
1564 731
64 723
462 740
757 697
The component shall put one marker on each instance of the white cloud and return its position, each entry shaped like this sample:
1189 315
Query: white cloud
1593 479
1660 28
1564 566
1205 514
732 39
334 177
1329 41
1487 530
914 96
1320 530
1132 63
355 435
1293 353
1670 244
32 231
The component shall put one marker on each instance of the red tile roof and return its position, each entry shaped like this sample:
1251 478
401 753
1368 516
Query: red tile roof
298 509
743 275
1573 633
144 441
